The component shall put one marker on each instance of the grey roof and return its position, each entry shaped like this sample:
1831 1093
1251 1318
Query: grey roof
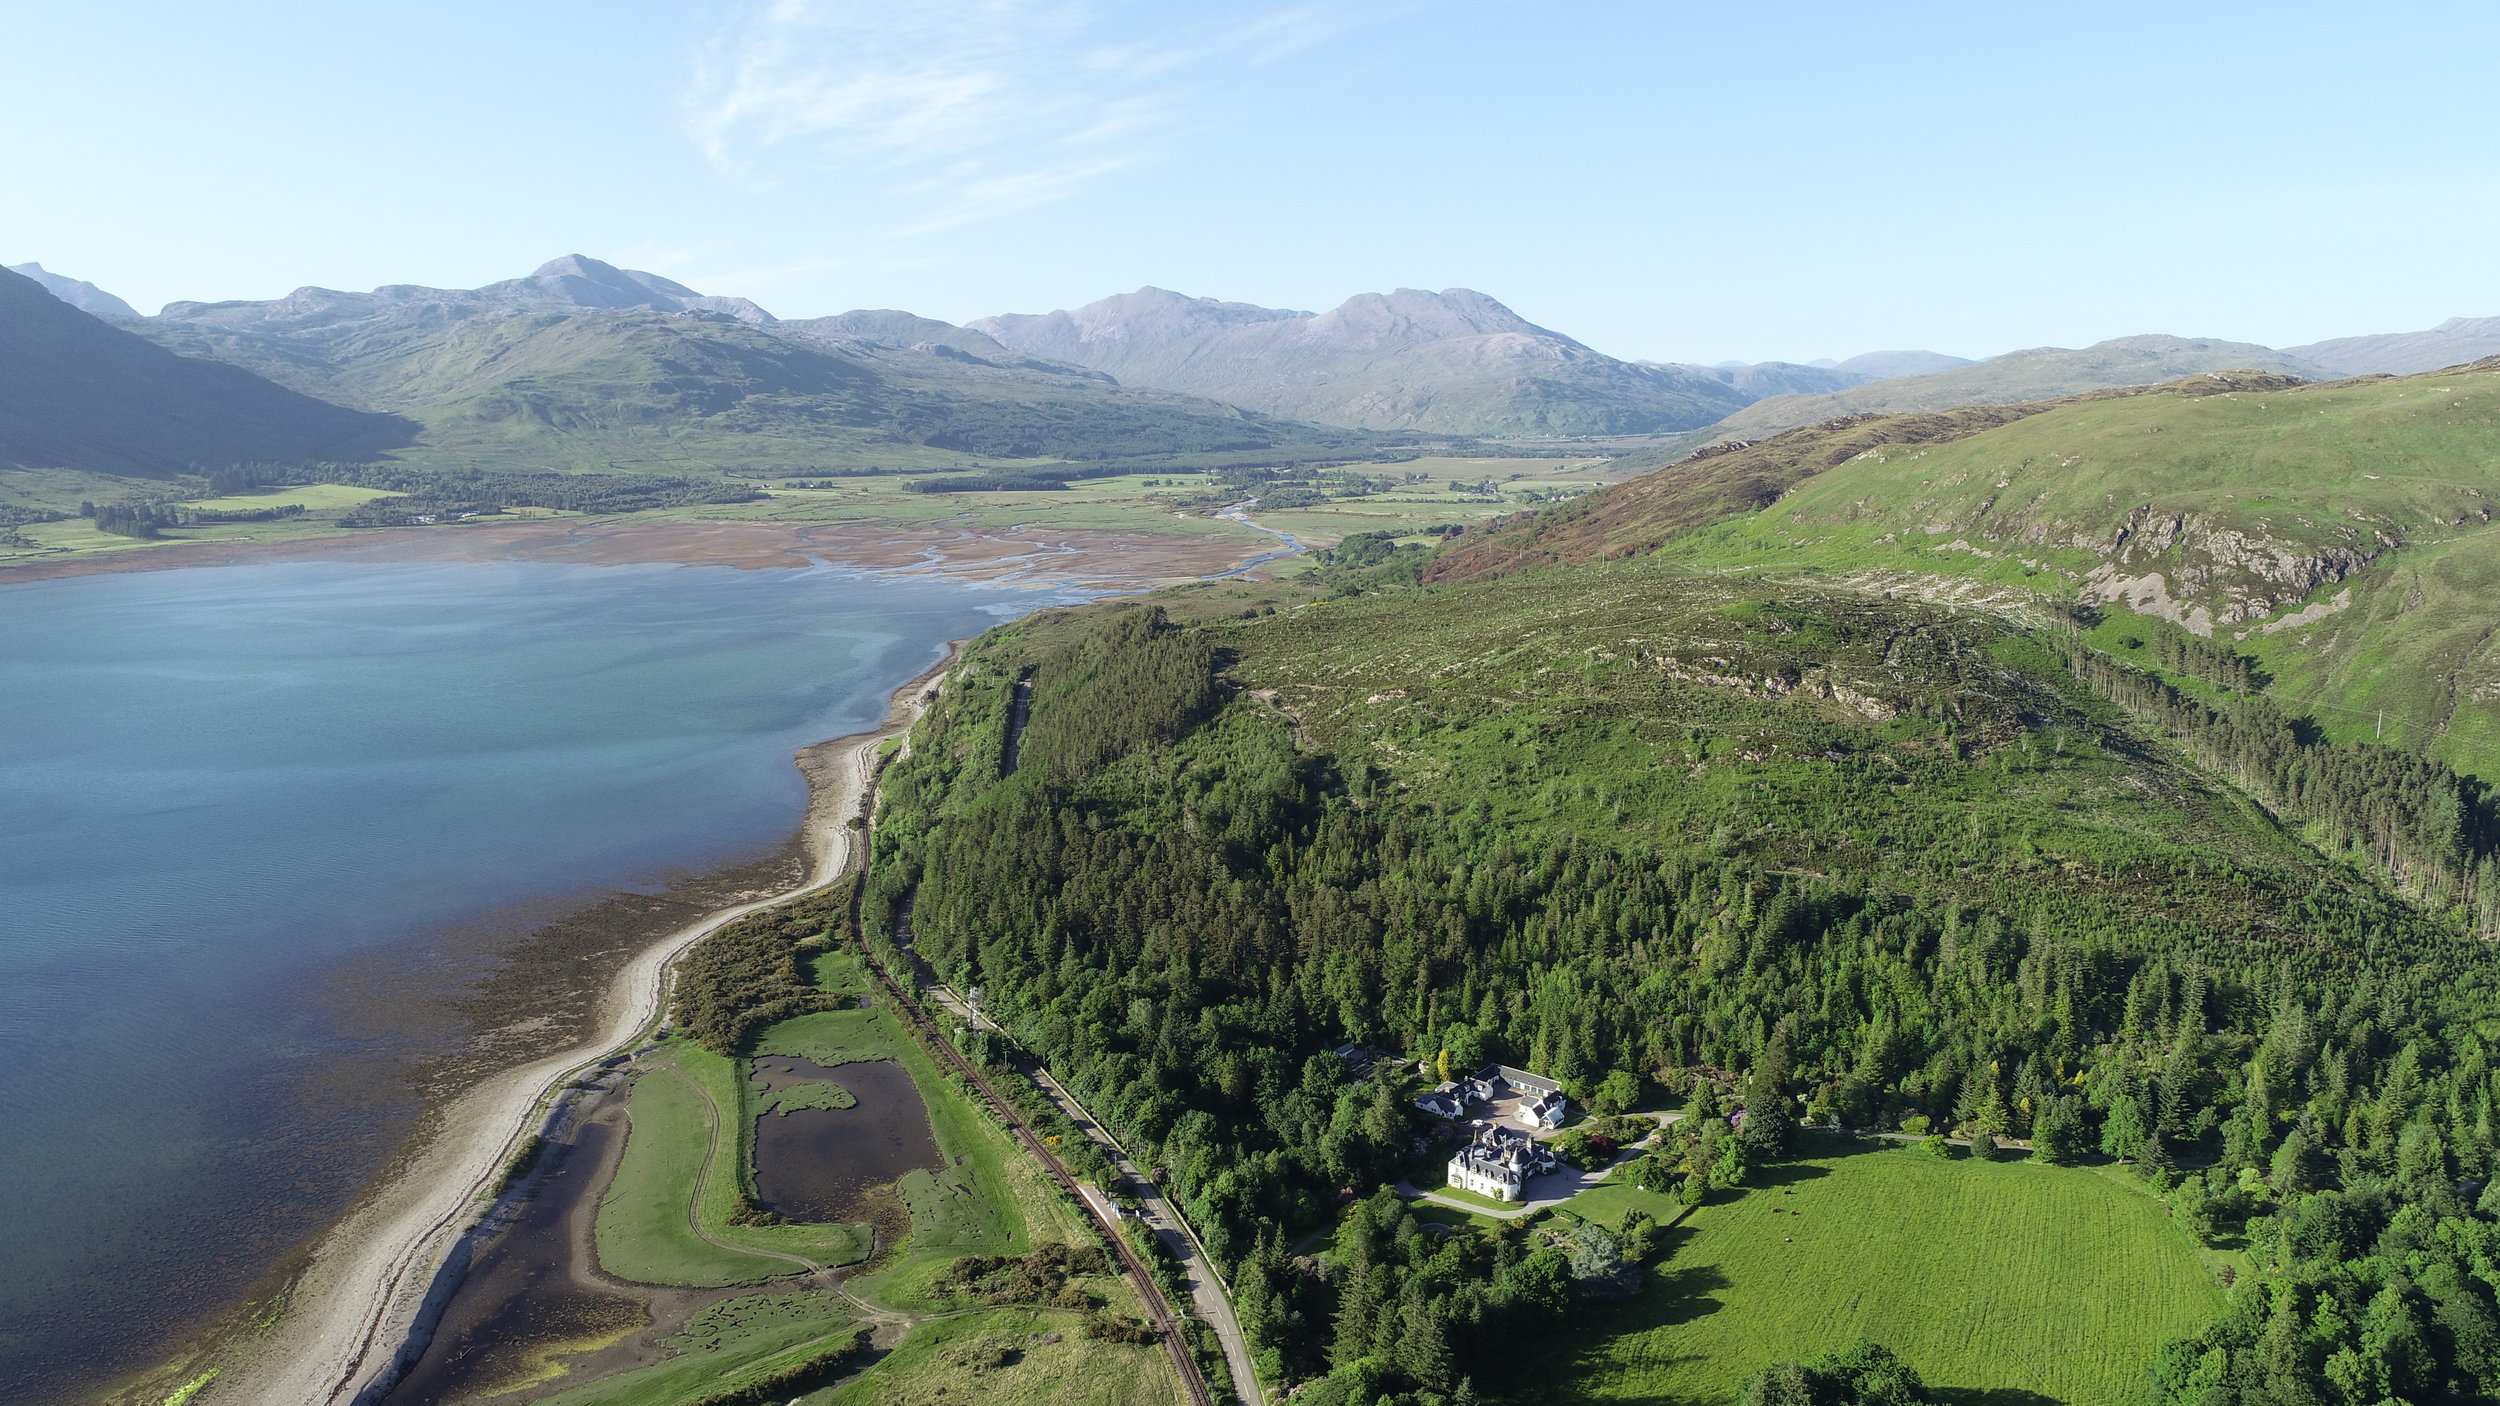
1522 1079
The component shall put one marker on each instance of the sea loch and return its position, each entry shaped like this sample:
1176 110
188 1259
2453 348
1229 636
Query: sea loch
227 793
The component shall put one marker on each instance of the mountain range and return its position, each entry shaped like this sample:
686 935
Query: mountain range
2451 343
1455 362
583 364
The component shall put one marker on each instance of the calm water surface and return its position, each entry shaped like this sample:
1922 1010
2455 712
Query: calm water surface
222 787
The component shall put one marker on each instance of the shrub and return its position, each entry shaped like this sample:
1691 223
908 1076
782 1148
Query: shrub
1861 1374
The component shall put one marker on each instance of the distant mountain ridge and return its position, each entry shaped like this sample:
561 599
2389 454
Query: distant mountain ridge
572 282
587 365
2034 374
580 350
78 293
79 392
2452 343
1884 365
1454 362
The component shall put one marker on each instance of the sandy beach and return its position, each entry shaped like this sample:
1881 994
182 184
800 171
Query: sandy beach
363 1284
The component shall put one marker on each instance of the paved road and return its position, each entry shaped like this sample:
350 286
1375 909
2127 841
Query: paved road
1205 1289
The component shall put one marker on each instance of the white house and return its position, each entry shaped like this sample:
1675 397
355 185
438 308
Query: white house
1543 1110
1497 1162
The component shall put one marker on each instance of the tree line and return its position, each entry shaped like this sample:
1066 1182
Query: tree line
2430 828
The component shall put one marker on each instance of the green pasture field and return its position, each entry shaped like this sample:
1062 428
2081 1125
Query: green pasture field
1399 513
991 1199
2009 1282
312 497
1442 467
725 1345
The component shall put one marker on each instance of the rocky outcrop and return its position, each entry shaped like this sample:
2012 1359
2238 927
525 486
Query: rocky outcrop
2214 575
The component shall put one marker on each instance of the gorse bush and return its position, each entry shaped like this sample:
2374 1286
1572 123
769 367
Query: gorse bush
748 975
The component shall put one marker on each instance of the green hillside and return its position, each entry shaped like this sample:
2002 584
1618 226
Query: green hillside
1722 481
2338 534
78 393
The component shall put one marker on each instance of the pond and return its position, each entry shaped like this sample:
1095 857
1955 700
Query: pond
817 1165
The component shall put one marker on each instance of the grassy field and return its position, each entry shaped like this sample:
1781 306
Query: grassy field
2010 1282
1006 1357
1609 1203
312 497
725 1345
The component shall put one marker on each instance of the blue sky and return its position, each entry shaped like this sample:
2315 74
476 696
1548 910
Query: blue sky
1667 180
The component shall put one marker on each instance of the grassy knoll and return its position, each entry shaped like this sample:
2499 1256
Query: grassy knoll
1991 1277
1005 1358
724 1346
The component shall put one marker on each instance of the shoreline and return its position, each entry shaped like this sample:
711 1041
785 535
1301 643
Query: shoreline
366 1281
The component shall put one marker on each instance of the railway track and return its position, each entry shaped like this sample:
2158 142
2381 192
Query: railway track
1166 1320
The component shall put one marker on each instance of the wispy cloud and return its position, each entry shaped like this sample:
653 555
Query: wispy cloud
949 112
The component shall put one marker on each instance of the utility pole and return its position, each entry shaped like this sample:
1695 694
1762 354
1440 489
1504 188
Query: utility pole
2381 734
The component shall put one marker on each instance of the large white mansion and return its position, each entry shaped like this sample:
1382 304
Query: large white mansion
1497 1162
